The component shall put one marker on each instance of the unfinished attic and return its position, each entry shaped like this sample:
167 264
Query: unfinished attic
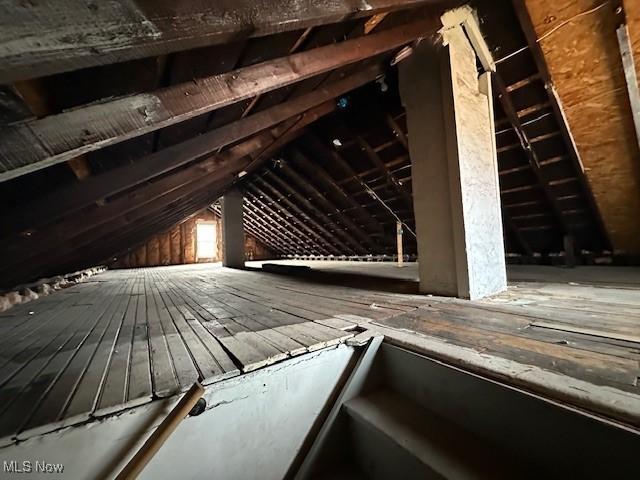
342 239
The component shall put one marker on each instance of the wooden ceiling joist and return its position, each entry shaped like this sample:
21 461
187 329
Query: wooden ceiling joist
40 143
82 34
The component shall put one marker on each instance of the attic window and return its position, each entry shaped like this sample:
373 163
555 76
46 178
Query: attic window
206 240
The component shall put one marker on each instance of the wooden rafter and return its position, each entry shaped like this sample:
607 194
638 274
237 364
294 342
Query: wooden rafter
50 140
155 197
290 223
81 35
390 179
306 184
543 72
529 150
294 214
287 189
312 169
274 228
338 246
81 194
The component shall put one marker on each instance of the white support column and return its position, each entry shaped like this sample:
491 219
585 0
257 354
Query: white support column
232 229
454 168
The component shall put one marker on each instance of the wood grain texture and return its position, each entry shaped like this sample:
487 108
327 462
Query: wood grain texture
76 196
82 34
44 142
585 65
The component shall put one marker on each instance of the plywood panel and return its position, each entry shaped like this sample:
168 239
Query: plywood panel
585 66
632 12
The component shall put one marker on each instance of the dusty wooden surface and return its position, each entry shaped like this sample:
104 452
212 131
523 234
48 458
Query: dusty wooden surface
127 336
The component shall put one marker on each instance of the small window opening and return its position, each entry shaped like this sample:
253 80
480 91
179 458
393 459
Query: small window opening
206 241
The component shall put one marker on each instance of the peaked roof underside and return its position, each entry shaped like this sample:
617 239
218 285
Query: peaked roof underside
325 153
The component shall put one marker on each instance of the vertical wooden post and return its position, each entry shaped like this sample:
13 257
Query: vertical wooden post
399 242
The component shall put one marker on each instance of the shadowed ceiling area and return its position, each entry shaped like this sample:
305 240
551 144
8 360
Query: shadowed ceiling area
100 152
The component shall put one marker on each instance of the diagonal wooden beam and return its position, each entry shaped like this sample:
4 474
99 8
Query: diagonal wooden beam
532 157
277 196
81 194
253 230
294 221
311 207
50 140
127 209
290 226
313 170
538 56
275 228
397 131
306 184
391 180
80 34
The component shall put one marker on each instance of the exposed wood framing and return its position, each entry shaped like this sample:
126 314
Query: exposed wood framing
543 71
81 35
390 179
79 195
338 246
313 170
628 63
296 217
190 190
289 222
310 206
306 184
43 142
525 143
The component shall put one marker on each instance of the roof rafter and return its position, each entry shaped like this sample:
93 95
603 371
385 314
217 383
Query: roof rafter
81 35
43 142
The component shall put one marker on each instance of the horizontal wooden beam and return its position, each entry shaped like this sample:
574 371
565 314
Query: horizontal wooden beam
40 143
42 38
81 194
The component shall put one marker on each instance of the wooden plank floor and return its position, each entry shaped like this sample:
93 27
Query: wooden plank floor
128 336
581 323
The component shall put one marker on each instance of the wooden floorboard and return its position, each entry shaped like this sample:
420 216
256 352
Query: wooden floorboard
129 336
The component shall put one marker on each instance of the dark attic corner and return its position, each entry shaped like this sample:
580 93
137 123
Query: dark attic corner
335 239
